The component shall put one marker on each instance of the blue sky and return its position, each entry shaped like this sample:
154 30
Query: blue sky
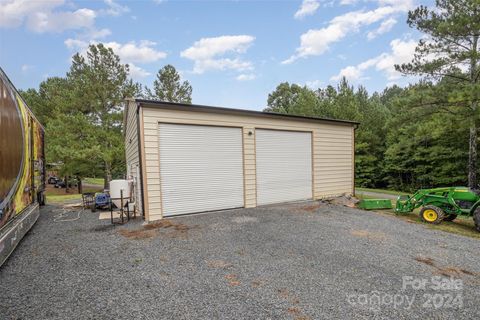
233 52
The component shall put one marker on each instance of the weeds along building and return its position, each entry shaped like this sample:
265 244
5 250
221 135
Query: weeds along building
192 158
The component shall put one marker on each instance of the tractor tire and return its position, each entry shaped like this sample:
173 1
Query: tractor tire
450 217
432 214
476 218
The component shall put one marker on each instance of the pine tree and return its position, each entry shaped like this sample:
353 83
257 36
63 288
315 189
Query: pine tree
168 87
450 53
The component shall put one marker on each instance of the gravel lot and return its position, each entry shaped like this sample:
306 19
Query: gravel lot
297 261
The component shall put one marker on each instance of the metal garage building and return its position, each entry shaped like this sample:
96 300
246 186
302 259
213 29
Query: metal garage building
192 158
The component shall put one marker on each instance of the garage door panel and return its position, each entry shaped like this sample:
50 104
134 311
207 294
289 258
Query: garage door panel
201 168
284 166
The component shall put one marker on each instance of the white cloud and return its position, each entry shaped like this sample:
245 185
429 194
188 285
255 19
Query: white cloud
142 52
307 8
26 67
114 9
207 48
354 72
130 52
246 77
207 53
385 27
348 2
75 44
221 64
315 42
58 22
314 84
14 12
137 72
97 34
401 52
52 15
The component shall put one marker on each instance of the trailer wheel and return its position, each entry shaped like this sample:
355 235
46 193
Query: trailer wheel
450 217
432 214
476 219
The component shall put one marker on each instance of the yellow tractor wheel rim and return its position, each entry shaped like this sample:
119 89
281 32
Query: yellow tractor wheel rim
430 215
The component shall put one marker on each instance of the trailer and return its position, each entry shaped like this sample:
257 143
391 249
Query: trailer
22 168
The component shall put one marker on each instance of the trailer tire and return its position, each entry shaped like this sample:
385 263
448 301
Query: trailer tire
432 214
450 217
476 218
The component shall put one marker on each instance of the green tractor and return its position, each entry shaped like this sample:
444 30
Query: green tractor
442 204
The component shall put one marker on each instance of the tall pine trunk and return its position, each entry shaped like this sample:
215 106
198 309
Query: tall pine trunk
472 156
108 176
472 149
79 185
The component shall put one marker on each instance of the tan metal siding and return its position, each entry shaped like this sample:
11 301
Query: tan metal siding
131 149
249 166
332 150
333 160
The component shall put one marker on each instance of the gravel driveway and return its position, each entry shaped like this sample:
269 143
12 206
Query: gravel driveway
297 261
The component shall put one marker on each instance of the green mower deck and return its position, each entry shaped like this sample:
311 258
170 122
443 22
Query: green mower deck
372 204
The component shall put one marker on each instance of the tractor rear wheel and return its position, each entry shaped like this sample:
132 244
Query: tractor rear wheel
450 217
432 214
476 219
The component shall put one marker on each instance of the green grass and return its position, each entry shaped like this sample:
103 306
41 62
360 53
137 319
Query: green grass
392 192
59 195
63 197
462 225
98 181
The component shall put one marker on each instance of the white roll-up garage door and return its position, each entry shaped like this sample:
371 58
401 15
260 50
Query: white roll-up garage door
284 166
201 168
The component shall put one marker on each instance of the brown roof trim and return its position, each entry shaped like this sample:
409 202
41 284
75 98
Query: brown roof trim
196 107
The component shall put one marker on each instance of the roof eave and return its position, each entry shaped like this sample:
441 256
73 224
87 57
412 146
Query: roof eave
212 109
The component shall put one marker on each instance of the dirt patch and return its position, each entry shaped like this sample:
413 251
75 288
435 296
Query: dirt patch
165 223
283 293
294 311
448 271
137 234
257 283
311 207
219 264
232 280
428 261
369 234
176 230
453 272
